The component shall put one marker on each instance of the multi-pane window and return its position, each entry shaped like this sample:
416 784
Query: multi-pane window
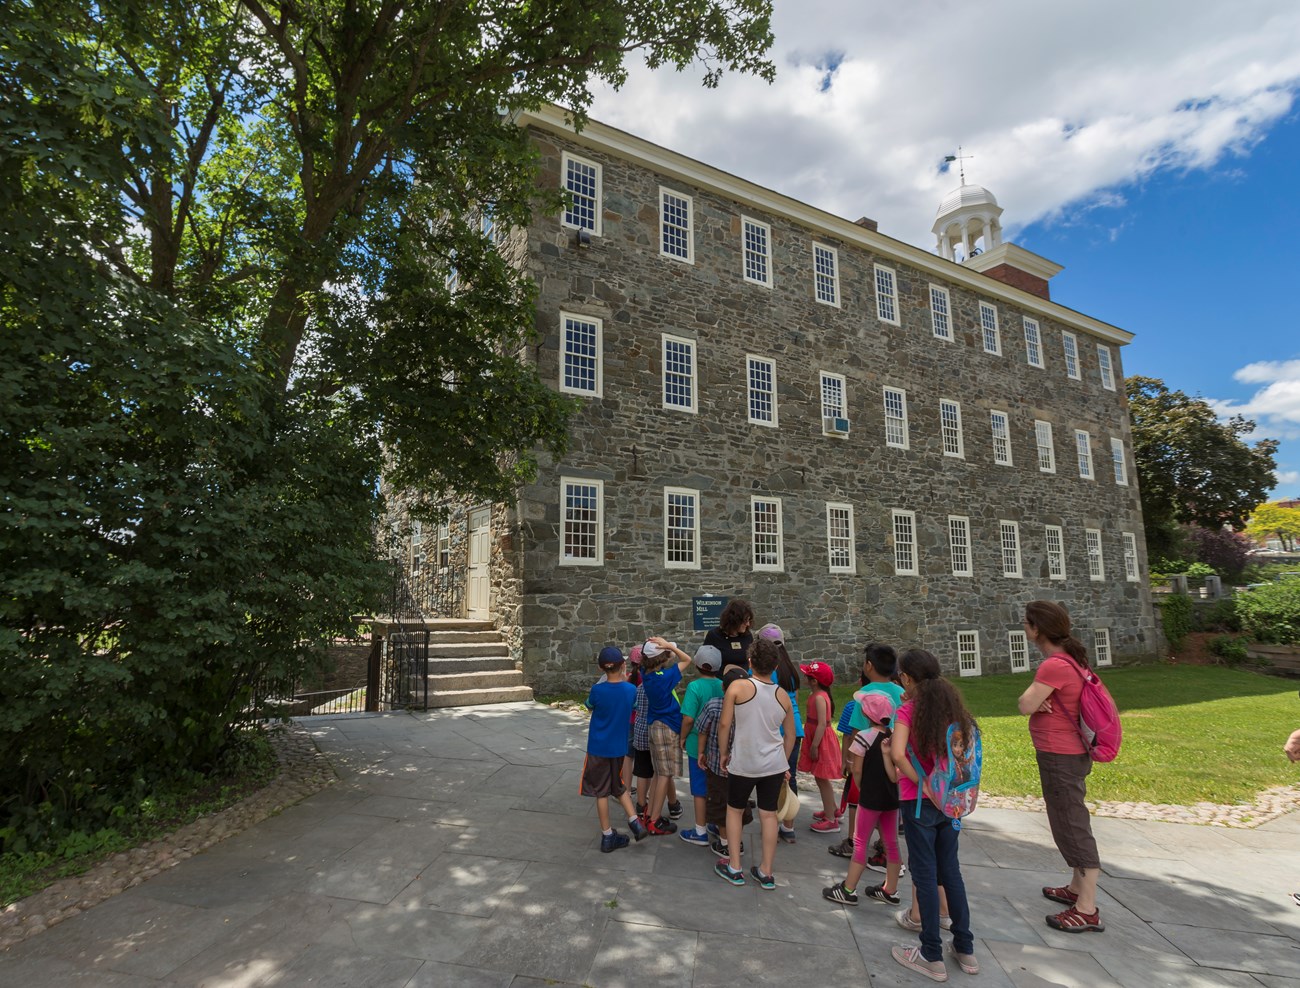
681 528
1018 646
1101 645
580 368
886 295
1083 444
1107 369
1010 536
1046 447
762 390
1001 438
1033 343
968 653
1117 457
959 544
679 373
1096 565
765 527
904 543
758 251
444 546
675 238
989 328
582 182
1071 346
896 418
950 428
940 312
834 402
839 538
417 547
1130 557
826 274
1054 539
581 522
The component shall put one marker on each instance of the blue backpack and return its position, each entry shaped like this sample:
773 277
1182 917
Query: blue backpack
953 785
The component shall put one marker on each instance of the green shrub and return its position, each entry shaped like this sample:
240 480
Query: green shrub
1271 613
1199 570
1221 616
1229 648
1176 617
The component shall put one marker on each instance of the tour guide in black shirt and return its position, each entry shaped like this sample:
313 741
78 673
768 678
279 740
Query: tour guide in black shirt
732 636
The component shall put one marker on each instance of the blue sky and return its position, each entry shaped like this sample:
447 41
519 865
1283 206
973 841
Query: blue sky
1152 149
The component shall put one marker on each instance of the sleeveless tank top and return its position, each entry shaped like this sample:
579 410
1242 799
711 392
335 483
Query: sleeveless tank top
758 750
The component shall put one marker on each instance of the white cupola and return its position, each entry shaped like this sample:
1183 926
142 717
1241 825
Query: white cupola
970 218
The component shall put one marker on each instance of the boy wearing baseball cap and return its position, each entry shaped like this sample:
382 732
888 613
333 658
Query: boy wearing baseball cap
708 662
610 702
662 665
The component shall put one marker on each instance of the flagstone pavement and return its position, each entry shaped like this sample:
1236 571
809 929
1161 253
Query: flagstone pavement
456 851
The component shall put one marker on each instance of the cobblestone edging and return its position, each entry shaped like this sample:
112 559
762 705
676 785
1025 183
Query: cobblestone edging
303 771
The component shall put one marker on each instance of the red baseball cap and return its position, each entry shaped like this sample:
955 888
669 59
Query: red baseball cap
819 671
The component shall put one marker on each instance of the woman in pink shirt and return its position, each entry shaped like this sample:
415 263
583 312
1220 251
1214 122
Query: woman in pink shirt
1052 703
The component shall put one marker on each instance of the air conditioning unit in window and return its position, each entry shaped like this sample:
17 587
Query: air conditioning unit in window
836 426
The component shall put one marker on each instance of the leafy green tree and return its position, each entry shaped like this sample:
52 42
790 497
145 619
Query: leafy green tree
1192 467
1272 520
252 255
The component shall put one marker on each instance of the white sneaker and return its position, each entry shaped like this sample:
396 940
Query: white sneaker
904 919
911 957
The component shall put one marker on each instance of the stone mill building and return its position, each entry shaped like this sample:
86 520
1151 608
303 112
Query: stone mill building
867 440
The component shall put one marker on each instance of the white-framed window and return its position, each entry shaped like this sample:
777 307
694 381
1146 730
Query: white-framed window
1046 446
679 373
959 545
896 418
1117 458
681 528
886 294
839 538
1130 557
765 528
1001 426
989 329
1101 645
1033 343
1054 541
757 242
1018 648
1010 538
834 390
826 274
950 428
582 182
941 313
904 523
761 373
1071 346
1096 565
675 226
968 653
581 363
1107 368
1083 445
444 546
417 547
582 522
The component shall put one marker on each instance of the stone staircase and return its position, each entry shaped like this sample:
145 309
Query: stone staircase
469 663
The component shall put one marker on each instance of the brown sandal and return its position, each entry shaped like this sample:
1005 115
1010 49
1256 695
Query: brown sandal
1063 895
1073 921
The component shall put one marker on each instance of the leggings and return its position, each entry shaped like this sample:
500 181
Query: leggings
867 821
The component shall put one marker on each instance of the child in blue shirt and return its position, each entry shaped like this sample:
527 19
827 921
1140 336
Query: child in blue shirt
610 702
662 664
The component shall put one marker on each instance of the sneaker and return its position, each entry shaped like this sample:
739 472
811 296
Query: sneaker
839 892
878 893
789 836
693 836
724 870
966 962
661 827
844 849
821 815
904 919
831 826
764 881
876 862
642 810
612 842
712 828
1073 921
720 848
675 810
1063 895
1295 897
911 957
638 828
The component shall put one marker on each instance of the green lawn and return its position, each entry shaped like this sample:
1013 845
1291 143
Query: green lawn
1191 734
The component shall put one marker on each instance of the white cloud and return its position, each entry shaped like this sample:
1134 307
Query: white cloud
1288 478
1276 406
1061 105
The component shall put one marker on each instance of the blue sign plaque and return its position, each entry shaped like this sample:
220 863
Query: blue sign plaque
707 611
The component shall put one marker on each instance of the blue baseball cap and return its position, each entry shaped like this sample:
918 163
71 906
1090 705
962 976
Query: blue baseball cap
610 656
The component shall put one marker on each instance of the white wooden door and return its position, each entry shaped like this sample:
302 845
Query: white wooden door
478 575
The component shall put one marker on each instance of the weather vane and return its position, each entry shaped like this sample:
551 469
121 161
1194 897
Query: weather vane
959 158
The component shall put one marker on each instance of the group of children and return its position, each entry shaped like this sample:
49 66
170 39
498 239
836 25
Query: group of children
744 741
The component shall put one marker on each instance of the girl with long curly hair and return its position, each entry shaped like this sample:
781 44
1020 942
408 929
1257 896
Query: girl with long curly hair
930 705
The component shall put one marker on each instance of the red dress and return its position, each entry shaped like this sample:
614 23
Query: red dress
828 764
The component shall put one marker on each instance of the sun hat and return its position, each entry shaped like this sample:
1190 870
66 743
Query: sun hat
788 807
819 671
610 655
772 633
876 706
708 657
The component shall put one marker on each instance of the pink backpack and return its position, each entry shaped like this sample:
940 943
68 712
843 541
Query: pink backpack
1098 717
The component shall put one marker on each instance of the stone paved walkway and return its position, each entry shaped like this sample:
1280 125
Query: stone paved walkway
455 850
